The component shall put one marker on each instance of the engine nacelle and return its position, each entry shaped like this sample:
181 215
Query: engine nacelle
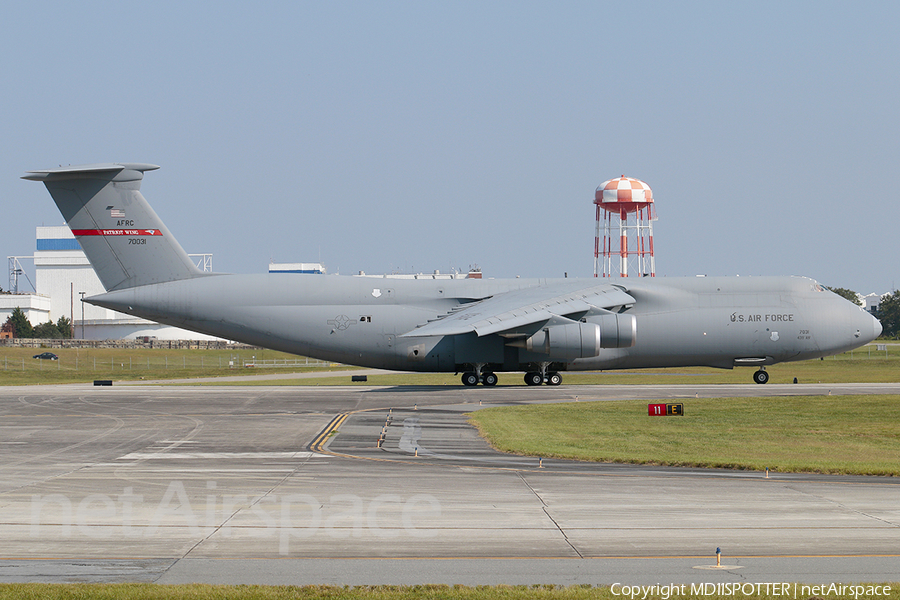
582 340
565 342
617 331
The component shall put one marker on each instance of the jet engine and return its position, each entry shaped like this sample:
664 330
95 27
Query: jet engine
568 341
564 342
617 331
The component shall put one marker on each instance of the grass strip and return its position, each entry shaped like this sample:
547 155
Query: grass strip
819 434
17 367
83 365
31 591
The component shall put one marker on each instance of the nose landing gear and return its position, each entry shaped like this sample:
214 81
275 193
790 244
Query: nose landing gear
761 376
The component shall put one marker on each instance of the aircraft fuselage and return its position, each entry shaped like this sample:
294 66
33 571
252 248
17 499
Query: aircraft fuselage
472 325
703 321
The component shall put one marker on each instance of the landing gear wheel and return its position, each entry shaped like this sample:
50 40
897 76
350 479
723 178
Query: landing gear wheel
761 377
554 379
489 379
470 379
533 378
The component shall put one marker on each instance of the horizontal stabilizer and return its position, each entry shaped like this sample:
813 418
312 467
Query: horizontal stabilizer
77 172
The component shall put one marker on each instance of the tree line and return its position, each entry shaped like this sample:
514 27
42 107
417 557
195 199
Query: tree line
21 327
889 314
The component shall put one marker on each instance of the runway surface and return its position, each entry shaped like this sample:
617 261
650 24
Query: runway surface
289 485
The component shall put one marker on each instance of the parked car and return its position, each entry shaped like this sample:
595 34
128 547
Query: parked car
46 356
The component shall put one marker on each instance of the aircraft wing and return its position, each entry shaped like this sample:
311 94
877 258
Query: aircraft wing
527 308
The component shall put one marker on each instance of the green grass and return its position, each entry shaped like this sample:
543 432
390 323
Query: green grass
17 367
77 365
417 592
821 434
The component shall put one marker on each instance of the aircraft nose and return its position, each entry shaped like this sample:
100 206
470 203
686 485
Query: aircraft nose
869 327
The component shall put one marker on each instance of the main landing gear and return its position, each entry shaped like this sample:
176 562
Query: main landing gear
761 376
472 378
535 378
489 378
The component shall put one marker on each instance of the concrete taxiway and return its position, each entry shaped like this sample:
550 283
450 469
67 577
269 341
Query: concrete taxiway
290 485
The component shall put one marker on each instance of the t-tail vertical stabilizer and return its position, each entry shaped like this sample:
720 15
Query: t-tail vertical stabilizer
121 235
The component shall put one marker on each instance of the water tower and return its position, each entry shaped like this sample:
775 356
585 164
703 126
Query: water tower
625 210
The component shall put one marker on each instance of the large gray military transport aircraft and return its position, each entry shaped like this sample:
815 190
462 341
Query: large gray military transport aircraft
473 326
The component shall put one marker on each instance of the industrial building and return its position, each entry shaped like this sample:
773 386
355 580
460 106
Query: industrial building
307 268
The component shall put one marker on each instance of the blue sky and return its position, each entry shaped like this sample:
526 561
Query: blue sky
413 136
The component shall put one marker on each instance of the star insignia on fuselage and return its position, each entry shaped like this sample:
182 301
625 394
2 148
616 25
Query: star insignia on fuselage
341 322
